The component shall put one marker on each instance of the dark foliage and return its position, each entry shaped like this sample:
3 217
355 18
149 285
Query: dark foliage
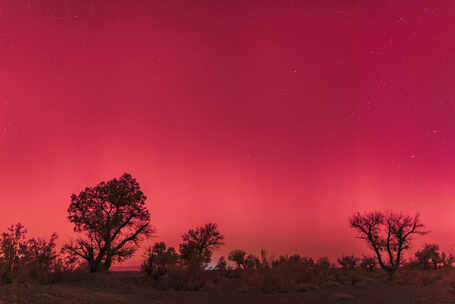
28 259
159 261
348 262
113 218
221 265
198 244
238 256
431 257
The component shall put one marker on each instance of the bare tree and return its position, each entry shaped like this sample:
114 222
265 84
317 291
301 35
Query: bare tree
114 219
388 234
198 244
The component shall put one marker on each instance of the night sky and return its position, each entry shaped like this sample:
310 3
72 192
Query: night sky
275 119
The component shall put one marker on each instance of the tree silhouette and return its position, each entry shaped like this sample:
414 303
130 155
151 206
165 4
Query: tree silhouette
221 265
159 260
252 262
12 248
113 218
198 244
428 255
34 257
12 244
348 262
388 234
238 256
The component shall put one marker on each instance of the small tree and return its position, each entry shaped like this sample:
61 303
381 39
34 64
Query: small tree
198 244
40 257
34 258
428 255
159 260
12 247
431 256
348 262
238 257
221 265
252 262
114 219
388 234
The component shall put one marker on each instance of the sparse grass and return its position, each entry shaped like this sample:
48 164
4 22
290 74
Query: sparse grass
132 287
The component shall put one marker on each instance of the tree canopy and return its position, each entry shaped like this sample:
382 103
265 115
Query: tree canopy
198 244
113 219
388 234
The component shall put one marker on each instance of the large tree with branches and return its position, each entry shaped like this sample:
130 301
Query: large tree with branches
113 218
388 234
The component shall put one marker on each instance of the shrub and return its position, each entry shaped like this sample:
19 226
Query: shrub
428 255
159 260
24 260
238 256
39 257
221 265
368 263
348 262
252 262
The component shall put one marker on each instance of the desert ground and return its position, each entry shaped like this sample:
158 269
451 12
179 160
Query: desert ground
131 287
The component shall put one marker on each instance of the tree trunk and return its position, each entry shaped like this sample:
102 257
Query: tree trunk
93 266
108 262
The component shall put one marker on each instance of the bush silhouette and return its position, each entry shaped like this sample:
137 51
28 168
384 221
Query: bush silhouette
431 257
159 260
428 256
221 265
22 259
348 262
239 257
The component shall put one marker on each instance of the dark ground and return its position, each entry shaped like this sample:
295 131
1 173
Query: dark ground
129 287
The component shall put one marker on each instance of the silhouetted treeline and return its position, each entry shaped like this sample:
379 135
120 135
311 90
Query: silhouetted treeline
112 221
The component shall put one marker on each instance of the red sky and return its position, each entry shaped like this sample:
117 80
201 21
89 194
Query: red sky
275 119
